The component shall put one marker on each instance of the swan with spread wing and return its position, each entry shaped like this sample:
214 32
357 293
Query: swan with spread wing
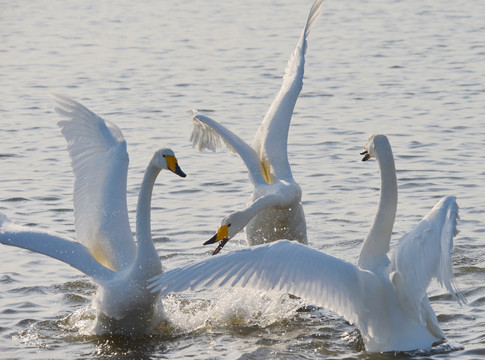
274 210
384 297
105 249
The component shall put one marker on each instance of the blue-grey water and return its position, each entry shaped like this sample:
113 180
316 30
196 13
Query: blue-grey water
414 70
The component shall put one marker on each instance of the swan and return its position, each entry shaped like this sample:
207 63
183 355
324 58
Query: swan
384 297
105 251
274 210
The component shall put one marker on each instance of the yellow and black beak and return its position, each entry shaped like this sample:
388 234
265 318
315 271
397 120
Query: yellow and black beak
222 236
173 165
366 155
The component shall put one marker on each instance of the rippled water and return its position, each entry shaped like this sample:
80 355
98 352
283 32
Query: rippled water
411 69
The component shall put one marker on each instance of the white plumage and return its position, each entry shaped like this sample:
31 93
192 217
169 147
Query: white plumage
385 298
105 249
274 210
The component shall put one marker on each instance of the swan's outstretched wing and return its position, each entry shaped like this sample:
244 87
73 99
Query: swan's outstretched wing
282 266
425 253
68 251
208 133
100 164
270 141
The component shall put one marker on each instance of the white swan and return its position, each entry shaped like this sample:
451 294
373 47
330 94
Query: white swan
274 210
385 298
105 250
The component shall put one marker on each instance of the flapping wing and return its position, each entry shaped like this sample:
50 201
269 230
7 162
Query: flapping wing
63 249
425 253
282 266
100 164
208 134
271 139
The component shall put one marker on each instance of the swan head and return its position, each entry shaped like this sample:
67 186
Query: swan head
372 145
165 159
230 226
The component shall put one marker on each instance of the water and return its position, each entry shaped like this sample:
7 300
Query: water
412 70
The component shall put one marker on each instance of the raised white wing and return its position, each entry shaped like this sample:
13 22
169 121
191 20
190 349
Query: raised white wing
66 250
425 253
208 133
100 165
283 265
271 139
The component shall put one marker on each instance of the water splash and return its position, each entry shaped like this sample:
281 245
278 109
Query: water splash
226 308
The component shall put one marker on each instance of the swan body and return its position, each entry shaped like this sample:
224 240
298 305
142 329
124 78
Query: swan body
384 297
274 210
105 249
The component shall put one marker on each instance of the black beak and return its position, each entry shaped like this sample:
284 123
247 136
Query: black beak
179 171
221 245
366 155
212 240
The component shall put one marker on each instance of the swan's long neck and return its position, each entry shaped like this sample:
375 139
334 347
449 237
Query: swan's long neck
246 215
146 256
376 245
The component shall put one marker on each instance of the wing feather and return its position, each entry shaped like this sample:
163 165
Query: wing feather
208 134
282 266
100 164
271 139
71 252
428 249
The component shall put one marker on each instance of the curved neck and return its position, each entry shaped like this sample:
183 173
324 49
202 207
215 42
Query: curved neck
262 203
376 245
146 252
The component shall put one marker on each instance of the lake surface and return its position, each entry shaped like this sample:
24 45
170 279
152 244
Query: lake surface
414 70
